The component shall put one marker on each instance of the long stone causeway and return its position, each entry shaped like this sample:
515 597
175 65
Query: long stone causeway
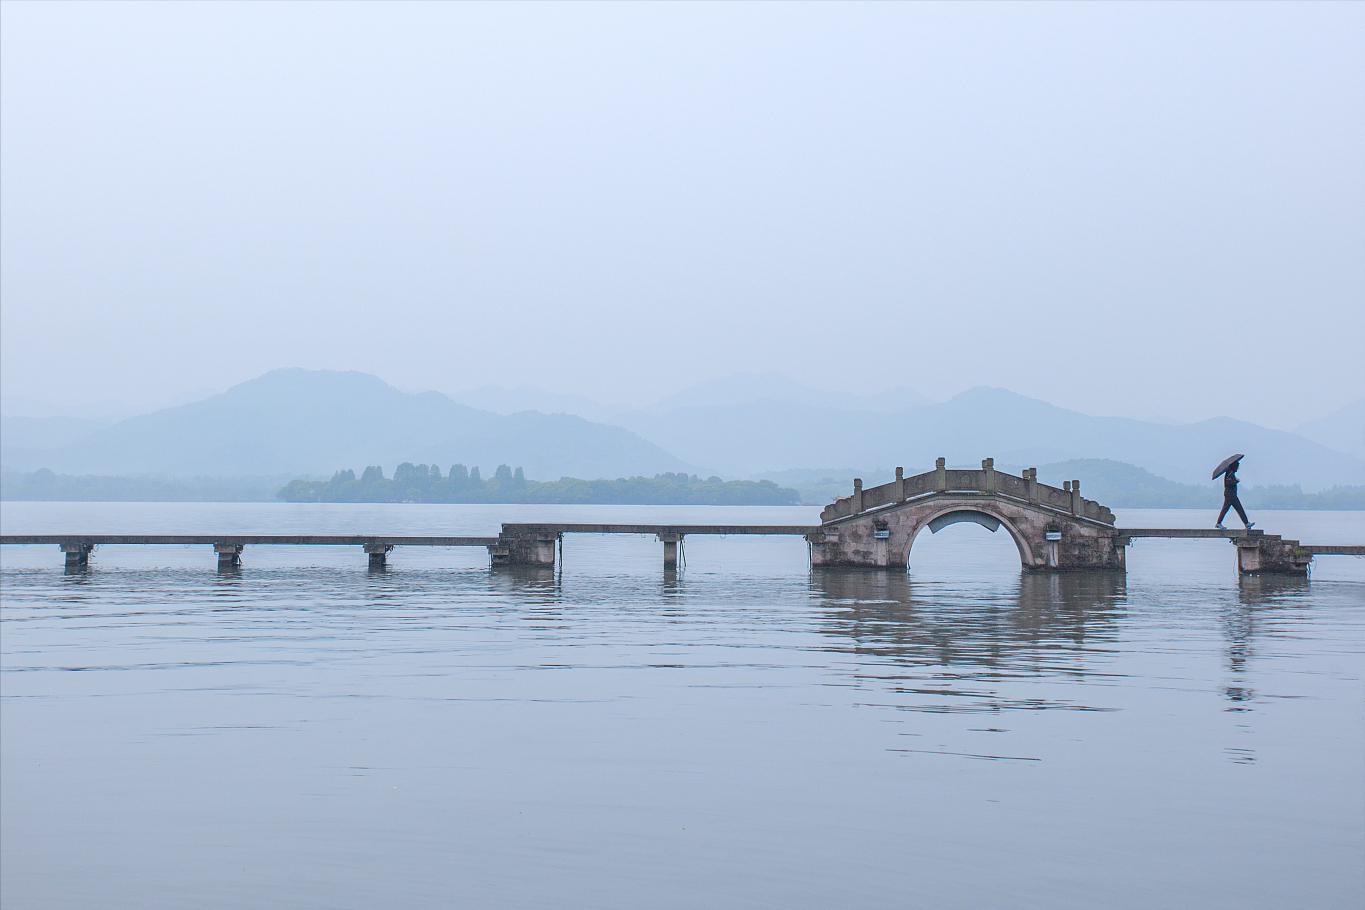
1055 530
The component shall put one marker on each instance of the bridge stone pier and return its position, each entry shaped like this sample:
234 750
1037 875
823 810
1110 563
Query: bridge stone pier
77 555
229 555
1270 554
379 555
1054 529
530 546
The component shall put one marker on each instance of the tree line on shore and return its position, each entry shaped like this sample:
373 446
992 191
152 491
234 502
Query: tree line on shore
425 483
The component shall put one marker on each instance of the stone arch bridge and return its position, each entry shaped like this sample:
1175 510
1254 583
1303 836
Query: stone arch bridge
1054 529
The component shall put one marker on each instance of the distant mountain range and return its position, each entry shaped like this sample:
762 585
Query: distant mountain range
771 436
731 391
312 423
752 425
316 422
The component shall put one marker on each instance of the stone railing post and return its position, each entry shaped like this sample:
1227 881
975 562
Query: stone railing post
1031 475
857 495
900 484
988 466
1077 504
941 475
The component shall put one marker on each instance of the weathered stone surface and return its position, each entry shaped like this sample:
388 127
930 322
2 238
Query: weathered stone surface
229 555
1270 554
987 480
77 555
882 538
534 548
1055 530
379 555
670 542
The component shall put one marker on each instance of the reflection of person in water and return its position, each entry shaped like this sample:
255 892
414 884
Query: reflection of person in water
1230 500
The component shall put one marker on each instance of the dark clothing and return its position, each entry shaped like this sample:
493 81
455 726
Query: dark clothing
1230 500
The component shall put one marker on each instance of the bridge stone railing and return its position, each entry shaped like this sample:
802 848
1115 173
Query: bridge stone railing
989 481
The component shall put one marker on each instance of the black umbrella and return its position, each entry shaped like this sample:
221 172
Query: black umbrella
1225 464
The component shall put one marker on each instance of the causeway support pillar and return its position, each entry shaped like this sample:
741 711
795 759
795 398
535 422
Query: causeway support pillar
229 556
670 550
77 556
379 555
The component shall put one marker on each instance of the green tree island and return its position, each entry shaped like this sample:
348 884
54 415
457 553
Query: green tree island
425 483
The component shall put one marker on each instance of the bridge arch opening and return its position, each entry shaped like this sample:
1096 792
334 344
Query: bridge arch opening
948 538
989 522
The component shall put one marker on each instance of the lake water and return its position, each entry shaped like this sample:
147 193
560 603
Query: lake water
744 733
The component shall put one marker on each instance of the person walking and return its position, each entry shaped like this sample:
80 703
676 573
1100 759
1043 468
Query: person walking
1230 500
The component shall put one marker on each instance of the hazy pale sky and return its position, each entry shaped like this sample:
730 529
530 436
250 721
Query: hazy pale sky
1129 209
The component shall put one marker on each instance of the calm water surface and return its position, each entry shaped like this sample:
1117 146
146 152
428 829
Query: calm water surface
745 733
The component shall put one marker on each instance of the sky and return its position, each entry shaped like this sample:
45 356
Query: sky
1124 209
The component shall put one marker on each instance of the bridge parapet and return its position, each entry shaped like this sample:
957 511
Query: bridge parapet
1027 489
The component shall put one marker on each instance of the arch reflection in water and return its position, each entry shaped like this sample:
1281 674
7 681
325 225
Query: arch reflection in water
950 647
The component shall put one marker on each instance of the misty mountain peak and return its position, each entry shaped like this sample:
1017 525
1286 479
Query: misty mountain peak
741 389
298 379
993 397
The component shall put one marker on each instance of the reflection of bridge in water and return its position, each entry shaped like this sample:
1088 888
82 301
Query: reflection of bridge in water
1061 624
940 649
1055 530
